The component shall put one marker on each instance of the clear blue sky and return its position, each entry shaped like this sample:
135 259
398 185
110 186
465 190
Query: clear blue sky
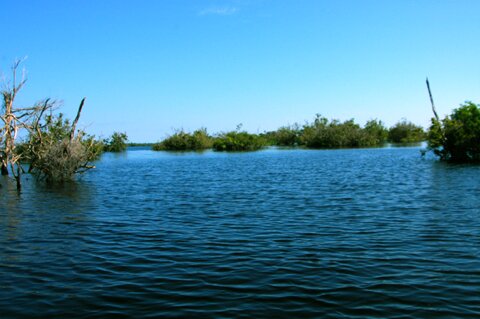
147 67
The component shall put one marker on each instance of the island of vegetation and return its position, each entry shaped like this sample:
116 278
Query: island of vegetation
320 134
182 141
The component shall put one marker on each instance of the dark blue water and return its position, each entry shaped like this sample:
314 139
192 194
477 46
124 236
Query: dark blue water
367 233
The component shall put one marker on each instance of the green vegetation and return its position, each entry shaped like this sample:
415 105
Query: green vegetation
54 156
54 149
335 134
321 134
286 136
405 132
182 141
456 138
237 141
116 143
376 134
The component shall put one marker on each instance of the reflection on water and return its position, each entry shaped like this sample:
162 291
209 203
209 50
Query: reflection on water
278 233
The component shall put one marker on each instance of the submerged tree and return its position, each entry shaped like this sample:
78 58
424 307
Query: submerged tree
456 138
13 119
54 149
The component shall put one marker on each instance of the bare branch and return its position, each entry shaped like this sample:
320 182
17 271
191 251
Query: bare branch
431 101
72 133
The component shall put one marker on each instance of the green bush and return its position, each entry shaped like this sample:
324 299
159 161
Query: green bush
238 141
116 143
269 138
182 141
406 132
376 133
335 134
54 155
457 137
287 136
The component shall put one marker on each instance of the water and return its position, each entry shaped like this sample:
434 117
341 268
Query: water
367 233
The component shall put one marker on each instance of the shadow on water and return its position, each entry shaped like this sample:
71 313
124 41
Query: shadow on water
43 231
40 206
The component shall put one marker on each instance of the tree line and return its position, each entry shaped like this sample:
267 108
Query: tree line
319 134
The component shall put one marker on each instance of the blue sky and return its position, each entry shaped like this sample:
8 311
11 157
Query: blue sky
148 67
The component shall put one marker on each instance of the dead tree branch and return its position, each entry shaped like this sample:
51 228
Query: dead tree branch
74 124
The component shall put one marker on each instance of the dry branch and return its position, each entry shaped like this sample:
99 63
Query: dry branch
72 133
431 101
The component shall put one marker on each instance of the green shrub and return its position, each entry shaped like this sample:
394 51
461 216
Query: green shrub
287 136
182 141
269 138
376 133
238 141
116 143
54 155
457 137
406 132
335 134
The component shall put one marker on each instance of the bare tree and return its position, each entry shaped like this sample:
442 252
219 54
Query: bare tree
54 155
11 124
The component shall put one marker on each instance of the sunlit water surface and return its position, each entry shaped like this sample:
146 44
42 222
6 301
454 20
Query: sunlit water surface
367 233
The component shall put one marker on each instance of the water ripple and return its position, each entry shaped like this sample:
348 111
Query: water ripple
274 234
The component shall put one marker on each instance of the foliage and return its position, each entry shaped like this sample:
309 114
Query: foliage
376 133
182 141
287 136
116 143
269 138
54 149
235 141
457 137
55 155
406 132
335 134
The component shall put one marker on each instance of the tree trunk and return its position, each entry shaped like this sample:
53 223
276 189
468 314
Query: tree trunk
18 178
4 170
